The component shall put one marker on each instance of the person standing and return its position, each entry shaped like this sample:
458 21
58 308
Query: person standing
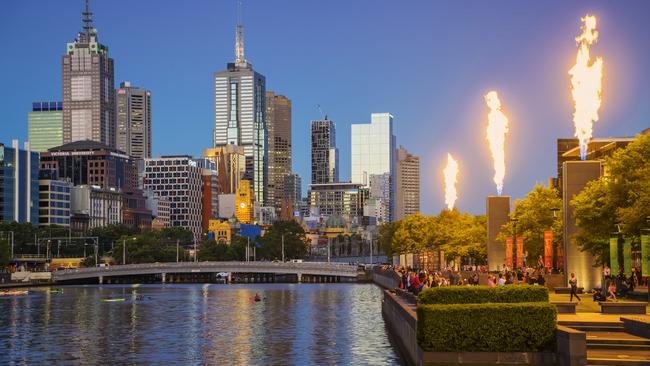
573 282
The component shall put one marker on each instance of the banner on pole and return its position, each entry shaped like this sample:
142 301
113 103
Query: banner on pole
548 249
645 254
520 252
613 255
627 256
509 252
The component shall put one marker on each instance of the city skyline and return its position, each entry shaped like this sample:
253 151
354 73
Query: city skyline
422 107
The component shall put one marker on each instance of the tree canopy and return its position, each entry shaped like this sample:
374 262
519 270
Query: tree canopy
295 242
535 214
618 200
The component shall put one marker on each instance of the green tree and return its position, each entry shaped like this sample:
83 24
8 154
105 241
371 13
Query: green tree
386 233
621 196
413 234
211 250
145 248
295 242
5 253
237 248
538 212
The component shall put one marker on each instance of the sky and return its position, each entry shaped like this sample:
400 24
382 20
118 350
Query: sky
428 63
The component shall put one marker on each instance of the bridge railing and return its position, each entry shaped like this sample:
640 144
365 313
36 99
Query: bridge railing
343 267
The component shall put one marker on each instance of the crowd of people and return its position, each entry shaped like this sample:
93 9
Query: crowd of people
618 286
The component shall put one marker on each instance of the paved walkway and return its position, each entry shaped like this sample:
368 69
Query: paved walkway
598 317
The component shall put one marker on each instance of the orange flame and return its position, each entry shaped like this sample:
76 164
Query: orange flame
586 84
496 136
451 173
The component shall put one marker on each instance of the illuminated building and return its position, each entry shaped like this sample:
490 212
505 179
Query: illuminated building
244 202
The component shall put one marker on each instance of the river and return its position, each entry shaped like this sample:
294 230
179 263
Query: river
294 324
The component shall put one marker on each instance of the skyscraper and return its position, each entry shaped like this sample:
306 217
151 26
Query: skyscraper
88 88
278 123
240 115
373 153
324 154
133 120
18 184
407 190
45 124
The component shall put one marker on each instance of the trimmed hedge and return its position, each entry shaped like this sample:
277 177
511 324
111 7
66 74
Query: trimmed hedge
483 294
514 327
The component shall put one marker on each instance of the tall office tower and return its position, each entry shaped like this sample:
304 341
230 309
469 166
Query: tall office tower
179 179
324 154
407 189
278 124
342 199
18 184
293 188
45 124
53 201
240 115
88 88
373 152
133 120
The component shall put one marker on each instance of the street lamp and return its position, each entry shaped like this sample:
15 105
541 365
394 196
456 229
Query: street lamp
514 221
124 250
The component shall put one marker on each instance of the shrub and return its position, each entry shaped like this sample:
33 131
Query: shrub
483 294
513 327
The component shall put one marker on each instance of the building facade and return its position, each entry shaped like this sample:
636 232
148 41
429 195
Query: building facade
373 153
230 163
342 199
278 123
18 183
133 121
221 231
88 88
91 163
244 209
93 206
178 179
407 189
135 213
45 125
209 198
324 154
240 115
54 202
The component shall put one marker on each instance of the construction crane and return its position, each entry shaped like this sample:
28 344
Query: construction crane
322 114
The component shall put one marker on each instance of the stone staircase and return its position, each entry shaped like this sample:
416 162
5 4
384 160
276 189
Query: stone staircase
609 344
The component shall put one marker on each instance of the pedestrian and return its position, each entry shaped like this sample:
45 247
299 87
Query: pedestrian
502 280
611 292
573 282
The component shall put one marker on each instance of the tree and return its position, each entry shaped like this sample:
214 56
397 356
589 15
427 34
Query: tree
237 248
535 214
460 234
386 233
211 250
620 197
295 242
413 234
5 253
145 248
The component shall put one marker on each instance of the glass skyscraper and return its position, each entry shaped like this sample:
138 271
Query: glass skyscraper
18 184
45 123
240 115
373 153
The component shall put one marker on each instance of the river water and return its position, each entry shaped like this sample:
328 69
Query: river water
181 324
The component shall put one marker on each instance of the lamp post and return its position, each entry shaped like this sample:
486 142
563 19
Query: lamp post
177 249
282 248
124 250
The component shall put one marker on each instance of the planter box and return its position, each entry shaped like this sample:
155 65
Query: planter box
623 307
565 307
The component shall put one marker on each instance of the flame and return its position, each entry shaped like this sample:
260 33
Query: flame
496 136
450 172
586 84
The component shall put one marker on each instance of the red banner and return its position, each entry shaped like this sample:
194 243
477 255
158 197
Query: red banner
548 249
509 252
560 257
520 252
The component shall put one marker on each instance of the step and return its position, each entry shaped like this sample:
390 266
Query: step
616 362
612 341
624 347
597 328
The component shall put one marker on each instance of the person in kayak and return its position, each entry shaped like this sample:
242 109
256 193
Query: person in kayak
257 297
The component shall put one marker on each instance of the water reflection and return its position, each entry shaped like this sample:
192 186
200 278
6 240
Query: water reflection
325 324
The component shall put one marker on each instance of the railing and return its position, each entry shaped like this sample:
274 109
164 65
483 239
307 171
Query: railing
305 267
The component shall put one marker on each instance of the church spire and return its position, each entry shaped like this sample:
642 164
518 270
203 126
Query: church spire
239 38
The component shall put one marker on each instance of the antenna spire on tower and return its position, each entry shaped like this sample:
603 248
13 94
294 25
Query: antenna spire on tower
87 20
239 37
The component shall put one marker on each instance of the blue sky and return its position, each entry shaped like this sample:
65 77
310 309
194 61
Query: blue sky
429 63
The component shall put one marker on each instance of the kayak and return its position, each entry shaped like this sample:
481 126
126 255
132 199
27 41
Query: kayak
117 299
56 291
14 292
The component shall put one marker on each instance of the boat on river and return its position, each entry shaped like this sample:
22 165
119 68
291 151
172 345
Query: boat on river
56 291
114 299
14 292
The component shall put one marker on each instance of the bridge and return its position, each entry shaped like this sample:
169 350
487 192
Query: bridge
181 271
